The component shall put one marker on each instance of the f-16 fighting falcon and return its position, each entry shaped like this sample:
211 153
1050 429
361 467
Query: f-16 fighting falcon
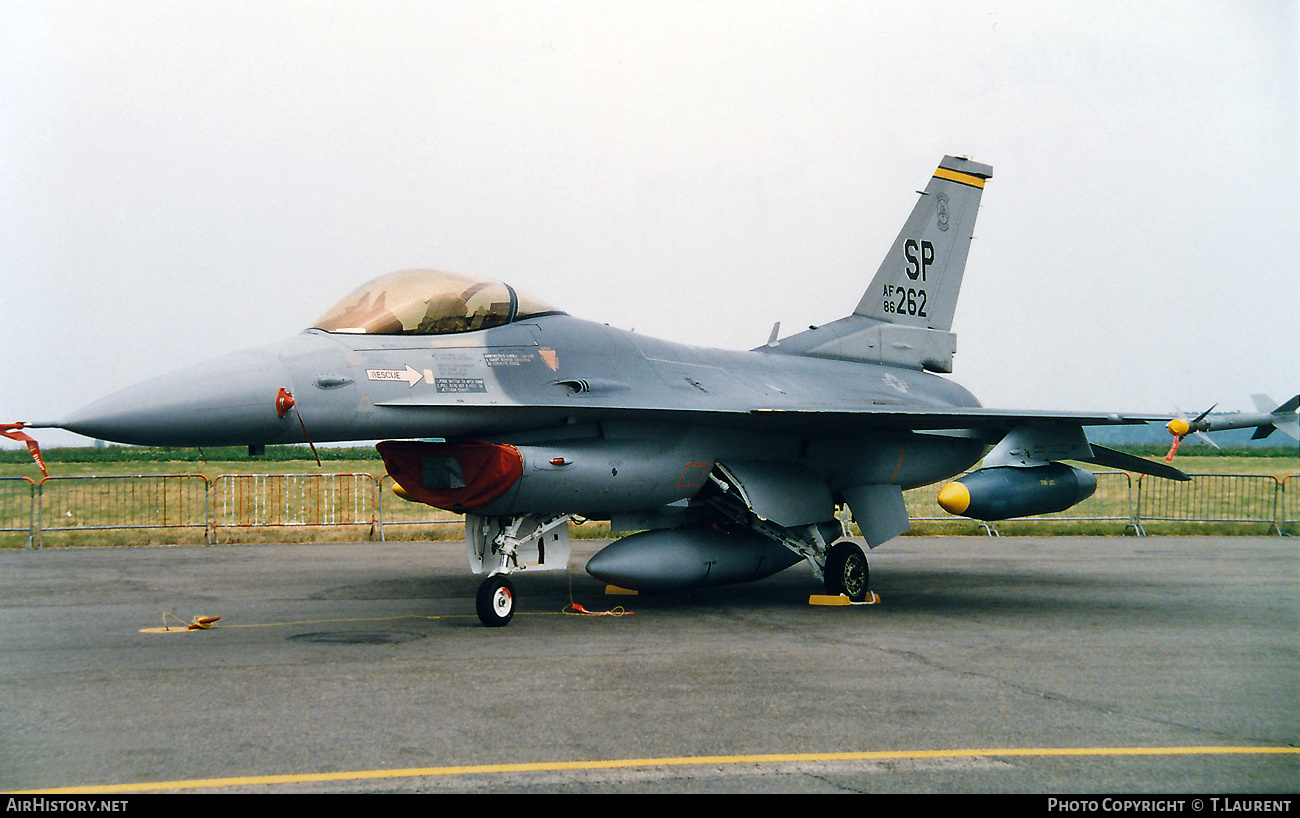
728 465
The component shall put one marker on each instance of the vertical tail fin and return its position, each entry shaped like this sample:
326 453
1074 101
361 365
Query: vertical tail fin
905 317
918 282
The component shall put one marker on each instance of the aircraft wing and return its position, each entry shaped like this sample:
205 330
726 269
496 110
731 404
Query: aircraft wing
1053 429
921 418
870 418
1060 431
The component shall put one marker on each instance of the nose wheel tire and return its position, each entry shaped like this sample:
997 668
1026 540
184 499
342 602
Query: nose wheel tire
847 572
496 601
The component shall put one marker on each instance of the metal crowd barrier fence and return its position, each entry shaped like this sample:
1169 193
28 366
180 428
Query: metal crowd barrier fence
1290 513
122 501
1216 498
260 500
393 510
18 506
235 501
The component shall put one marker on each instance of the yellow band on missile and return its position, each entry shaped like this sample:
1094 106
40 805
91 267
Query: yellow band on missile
954 498
958 176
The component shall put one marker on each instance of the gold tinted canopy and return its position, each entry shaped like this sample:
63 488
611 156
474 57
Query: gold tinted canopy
429 302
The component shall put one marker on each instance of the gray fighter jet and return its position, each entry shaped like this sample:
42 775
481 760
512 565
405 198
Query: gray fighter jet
729 465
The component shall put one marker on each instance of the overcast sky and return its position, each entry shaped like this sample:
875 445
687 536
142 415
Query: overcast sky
181 180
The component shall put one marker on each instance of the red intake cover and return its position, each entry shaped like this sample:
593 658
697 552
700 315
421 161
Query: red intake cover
488 469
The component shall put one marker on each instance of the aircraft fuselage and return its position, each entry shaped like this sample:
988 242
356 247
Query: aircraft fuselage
552 379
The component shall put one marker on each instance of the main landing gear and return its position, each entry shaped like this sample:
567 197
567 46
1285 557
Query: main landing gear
835 558
847 572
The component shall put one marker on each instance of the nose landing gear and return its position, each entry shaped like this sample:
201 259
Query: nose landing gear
502 546
495 602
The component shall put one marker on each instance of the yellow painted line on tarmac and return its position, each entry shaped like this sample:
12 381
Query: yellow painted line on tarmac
557 766
183 628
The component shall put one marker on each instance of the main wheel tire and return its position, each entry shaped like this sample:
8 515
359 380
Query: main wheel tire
847 571
495 601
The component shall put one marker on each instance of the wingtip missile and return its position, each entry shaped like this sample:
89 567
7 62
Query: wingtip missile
1265 423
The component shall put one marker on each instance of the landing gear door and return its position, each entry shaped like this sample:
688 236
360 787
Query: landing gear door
539 544
783 493
879 511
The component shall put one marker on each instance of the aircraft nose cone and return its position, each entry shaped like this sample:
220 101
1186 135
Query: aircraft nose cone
227 401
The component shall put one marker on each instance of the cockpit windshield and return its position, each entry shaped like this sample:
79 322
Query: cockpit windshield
429 302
